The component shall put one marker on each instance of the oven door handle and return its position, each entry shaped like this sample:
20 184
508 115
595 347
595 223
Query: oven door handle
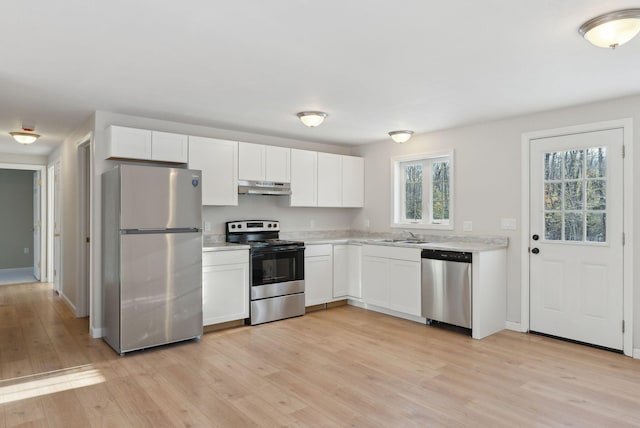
277 249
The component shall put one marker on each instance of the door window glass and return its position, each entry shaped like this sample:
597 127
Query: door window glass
575 201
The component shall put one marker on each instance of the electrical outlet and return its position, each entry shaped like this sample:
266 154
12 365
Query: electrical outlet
467 226
207 226
26 251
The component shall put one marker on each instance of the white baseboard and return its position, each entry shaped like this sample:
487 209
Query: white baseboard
514 326
97 333
67 301
636 353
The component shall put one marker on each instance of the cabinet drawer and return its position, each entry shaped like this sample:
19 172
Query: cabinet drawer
215 258
318 250
388 252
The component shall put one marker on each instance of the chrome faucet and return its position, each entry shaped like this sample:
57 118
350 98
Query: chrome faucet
412 236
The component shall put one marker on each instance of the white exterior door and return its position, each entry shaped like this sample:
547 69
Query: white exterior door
576 237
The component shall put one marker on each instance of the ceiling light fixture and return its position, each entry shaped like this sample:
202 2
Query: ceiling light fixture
26 136
312 118
401 136
612 29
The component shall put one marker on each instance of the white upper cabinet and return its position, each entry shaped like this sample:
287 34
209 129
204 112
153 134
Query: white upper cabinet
304 178
326 180
128 143
251 161
278 164
329 180
352 181
258 162
218 160
143 144
169 147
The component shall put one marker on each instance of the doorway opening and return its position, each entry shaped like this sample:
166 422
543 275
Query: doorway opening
23 247
84 227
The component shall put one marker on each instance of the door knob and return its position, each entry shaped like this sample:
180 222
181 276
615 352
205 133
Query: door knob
535 250
535 237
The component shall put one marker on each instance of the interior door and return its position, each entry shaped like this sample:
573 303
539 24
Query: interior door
576 237
57 233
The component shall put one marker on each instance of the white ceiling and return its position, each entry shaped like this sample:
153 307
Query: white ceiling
373 65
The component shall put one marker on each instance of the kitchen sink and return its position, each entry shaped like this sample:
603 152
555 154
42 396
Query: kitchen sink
401 241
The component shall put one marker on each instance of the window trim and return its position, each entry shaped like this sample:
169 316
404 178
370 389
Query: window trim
397 194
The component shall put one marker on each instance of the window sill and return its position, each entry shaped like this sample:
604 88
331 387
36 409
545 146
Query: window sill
422 226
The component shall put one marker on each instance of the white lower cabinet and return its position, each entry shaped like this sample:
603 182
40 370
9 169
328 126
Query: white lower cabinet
225 286
318 274
391 278
347 271
405 288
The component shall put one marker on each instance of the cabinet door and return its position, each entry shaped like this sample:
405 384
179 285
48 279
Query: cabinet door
218 160
303 178
341 269
405 287
318 280
128 143
251 161
169 147
375 282
352 181
225 293
329 180
354 257
278 164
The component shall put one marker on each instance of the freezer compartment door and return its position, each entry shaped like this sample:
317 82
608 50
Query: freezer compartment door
161 289
160 198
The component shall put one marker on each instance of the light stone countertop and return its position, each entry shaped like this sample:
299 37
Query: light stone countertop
469 246
224 246
439 242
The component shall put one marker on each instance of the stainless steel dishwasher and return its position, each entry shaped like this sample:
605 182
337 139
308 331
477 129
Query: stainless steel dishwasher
446 287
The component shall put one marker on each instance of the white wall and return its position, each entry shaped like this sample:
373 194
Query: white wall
252 207
67 154
487 177
22 159
293 218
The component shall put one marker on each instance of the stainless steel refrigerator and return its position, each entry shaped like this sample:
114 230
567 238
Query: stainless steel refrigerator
151 256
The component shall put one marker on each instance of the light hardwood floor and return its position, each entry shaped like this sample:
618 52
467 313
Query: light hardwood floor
340 367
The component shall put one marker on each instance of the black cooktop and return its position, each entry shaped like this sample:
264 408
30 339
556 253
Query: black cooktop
257 234
273 243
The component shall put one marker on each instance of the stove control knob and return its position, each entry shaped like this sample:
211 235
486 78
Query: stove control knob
233 226
239 226
269 225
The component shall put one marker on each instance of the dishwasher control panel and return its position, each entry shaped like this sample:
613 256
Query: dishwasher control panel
452 256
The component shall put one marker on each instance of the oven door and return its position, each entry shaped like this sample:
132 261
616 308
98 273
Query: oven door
271 265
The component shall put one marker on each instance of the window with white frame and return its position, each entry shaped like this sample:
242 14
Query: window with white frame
422 190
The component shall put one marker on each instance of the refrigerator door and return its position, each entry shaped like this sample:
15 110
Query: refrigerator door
161 289
160 198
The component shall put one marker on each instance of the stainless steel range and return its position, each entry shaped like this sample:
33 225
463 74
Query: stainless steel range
277 270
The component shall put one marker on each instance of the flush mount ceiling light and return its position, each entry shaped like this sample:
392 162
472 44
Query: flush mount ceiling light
401 136
26 136
312 118
612 29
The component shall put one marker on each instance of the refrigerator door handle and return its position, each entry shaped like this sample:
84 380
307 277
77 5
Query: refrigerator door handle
155 231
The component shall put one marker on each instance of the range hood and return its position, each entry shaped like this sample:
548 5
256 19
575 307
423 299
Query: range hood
263 188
